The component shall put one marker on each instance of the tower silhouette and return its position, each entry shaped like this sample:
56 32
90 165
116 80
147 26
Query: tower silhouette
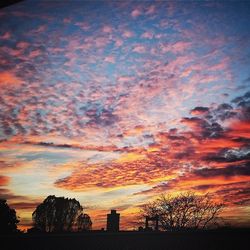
113 221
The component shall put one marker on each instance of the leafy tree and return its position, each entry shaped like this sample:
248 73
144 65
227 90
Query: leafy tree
8 218
57 214
183 211
84 222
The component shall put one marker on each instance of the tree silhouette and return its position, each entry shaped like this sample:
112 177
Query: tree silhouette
57 214
84 222
8 218
186 210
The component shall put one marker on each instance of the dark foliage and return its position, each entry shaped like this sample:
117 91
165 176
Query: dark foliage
84 223
8 218
59 214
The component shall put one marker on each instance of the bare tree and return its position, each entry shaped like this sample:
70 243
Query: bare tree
183 211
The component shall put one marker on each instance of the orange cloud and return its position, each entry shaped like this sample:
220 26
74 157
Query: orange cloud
123 172
239 129
9 79
4 180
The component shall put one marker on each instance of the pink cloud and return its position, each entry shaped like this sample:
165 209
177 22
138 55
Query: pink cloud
135 13
6 36
66 20
148 35
177 47
107 29
124 78
35 53
128 34
110 59
22 45
83 25
150 10
41 28
118 43
139 49
220 66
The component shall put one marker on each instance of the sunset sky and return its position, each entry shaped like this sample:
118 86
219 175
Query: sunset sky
114 103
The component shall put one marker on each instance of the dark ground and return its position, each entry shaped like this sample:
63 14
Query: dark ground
206 240
5 3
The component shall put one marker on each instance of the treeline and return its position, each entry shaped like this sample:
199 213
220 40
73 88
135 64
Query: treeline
54 214
173 213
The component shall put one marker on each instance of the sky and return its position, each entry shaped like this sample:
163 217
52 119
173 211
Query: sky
116 102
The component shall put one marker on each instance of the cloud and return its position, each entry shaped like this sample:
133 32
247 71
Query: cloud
225 111
177 47
9 79
239 129
139 49
202 127
107 29
127 34
6 36
129 171
199 111
10 196
148 35
228 155
136 12
130 99
4 180
243 169
30 206
151 10
109 59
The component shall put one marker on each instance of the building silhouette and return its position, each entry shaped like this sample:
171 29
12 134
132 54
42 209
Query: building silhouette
113 221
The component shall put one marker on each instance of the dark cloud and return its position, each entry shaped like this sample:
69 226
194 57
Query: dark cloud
229 171
185 154
243 101
74 146
247 79
102 117
203 128
160 188
8 195
235 194
224 111
228 155
199 110
4 164
24 205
